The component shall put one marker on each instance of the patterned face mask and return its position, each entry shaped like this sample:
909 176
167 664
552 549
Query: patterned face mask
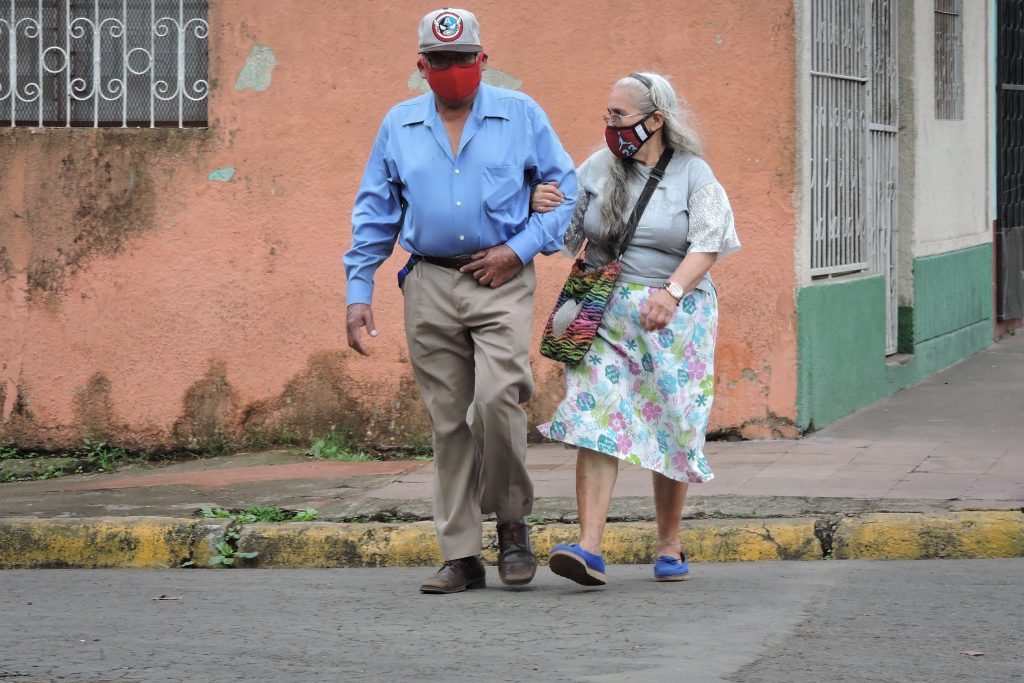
625 141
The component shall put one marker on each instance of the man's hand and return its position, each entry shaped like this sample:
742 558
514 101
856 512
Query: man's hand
358 317
546 197
658 310
494 267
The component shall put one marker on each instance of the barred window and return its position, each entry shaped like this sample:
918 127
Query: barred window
949 59
854 142
99 63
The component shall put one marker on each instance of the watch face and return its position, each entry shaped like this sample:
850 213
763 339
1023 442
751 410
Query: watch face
674 289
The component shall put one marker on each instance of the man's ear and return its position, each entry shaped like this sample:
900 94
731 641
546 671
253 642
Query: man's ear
421 65
483 61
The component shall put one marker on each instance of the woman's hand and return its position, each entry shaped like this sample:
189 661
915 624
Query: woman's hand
658 310
545 197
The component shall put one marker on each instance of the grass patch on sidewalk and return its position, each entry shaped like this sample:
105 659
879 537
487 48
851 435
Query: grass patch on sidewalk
338 445
90 456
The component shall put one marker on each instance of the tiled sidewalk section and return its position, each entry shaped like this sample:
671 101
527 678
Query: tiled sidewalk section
958 435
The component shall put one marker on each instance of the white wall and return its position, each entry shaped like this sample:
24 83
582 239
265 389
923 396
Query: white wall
947 189
945 175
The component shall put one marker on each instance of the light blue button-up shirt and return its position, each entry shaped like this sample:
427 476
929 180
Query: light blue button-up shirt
436 203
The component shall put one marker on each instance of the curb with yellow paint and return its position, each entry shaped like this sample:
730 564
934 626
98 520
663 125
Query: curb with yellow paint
156 542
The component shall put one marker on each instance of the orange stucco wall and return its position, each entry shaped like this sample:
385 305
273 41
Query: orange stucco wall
144 303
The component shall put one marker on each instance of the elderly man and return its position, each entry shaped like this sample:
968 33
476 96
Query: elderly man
449 177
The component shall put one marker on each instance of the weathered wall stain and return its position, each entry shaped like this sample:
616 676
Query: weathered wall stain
326 395
210 409
92 194
20 428
258 70
6 269
94 409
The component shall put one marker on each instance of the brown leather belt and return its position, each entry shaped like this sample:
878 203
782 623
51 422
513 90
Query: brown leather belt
453 262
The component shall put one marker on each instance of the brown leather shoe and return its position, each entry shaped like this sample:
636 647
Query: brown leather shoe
455 576
516 562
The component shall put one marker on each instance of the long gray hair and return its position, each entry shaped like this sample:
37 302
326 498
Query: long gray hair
677 133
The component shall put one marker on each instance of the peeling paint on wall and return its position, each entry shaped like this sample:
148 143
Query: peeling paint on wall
222 175
258 69
495 77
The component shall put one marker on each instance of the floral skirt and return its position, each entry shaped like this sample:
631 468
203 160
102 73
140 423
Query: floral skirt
645 397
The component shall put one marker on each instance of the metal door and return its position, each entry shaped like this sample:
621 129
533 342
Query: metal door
1010 160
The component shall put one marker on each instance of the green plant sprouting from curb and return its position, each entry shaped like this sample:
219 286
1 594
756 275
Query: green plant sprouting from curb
227 548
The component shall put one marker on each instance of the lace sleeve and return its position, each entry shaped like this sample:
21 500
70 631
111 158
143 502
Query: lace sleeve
712 228
574 235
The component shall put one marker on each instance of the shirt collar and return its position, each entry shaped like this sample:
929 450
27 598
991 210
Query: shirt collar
486 105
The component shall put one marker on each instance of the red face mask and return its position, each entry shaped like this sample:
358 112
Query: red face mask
454 83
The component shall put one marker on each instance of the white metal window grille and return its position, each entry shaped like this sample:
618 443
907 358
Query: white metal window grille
854 147
949 59
839 74
104 63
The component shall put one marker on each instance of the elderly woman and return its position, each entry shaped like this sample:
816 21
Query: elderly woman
643 392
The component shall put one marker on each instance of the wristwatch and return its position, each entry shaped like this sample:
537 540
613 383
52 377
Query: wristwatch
675 290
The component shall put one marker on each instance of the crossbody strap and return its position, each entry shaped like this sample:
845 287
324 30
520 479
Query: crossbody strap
657 173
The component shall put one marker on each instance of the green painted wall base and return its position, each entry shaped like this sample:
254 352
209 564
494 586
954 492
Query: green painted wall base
841 335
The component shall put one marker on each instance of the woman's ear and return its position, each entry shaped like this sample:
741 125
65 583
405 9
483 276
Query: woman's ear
657 121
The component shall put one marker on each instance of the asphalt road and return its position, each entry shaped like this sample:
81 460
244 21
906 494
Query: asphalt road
777 622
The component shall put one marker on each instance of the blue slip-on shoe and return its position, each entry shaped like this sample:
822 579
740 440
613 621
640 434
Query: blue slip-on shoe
671 568
576 564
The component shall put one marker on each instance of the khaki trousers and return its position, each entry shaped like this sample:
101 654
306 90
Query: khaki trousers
469 347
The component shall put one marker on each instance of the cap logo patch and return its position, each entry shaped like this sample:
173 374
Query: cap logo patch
447 26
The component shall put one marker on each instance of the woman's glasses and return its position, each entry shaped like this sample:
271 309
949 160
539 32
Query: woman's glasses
615 120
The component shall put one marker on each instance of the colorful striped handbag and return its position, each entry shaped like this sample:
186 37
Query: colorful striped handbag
572 326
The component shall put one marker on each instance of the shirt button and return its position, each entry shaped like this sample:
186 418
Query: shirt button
456 171
462 237
458 203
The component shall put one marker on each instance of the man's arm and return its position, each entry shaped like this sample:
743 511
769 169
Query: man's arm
376 221
543 231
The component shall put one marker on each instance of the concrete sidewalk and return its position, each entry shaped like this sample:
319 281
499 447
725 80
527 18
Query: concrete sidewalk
954 442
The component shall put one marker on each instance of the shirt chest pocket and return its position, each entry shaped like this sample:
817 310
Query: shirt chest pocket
501 186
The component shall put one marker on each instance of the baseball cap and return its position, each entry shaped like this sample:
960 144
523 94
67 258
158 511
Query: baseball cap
450 28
